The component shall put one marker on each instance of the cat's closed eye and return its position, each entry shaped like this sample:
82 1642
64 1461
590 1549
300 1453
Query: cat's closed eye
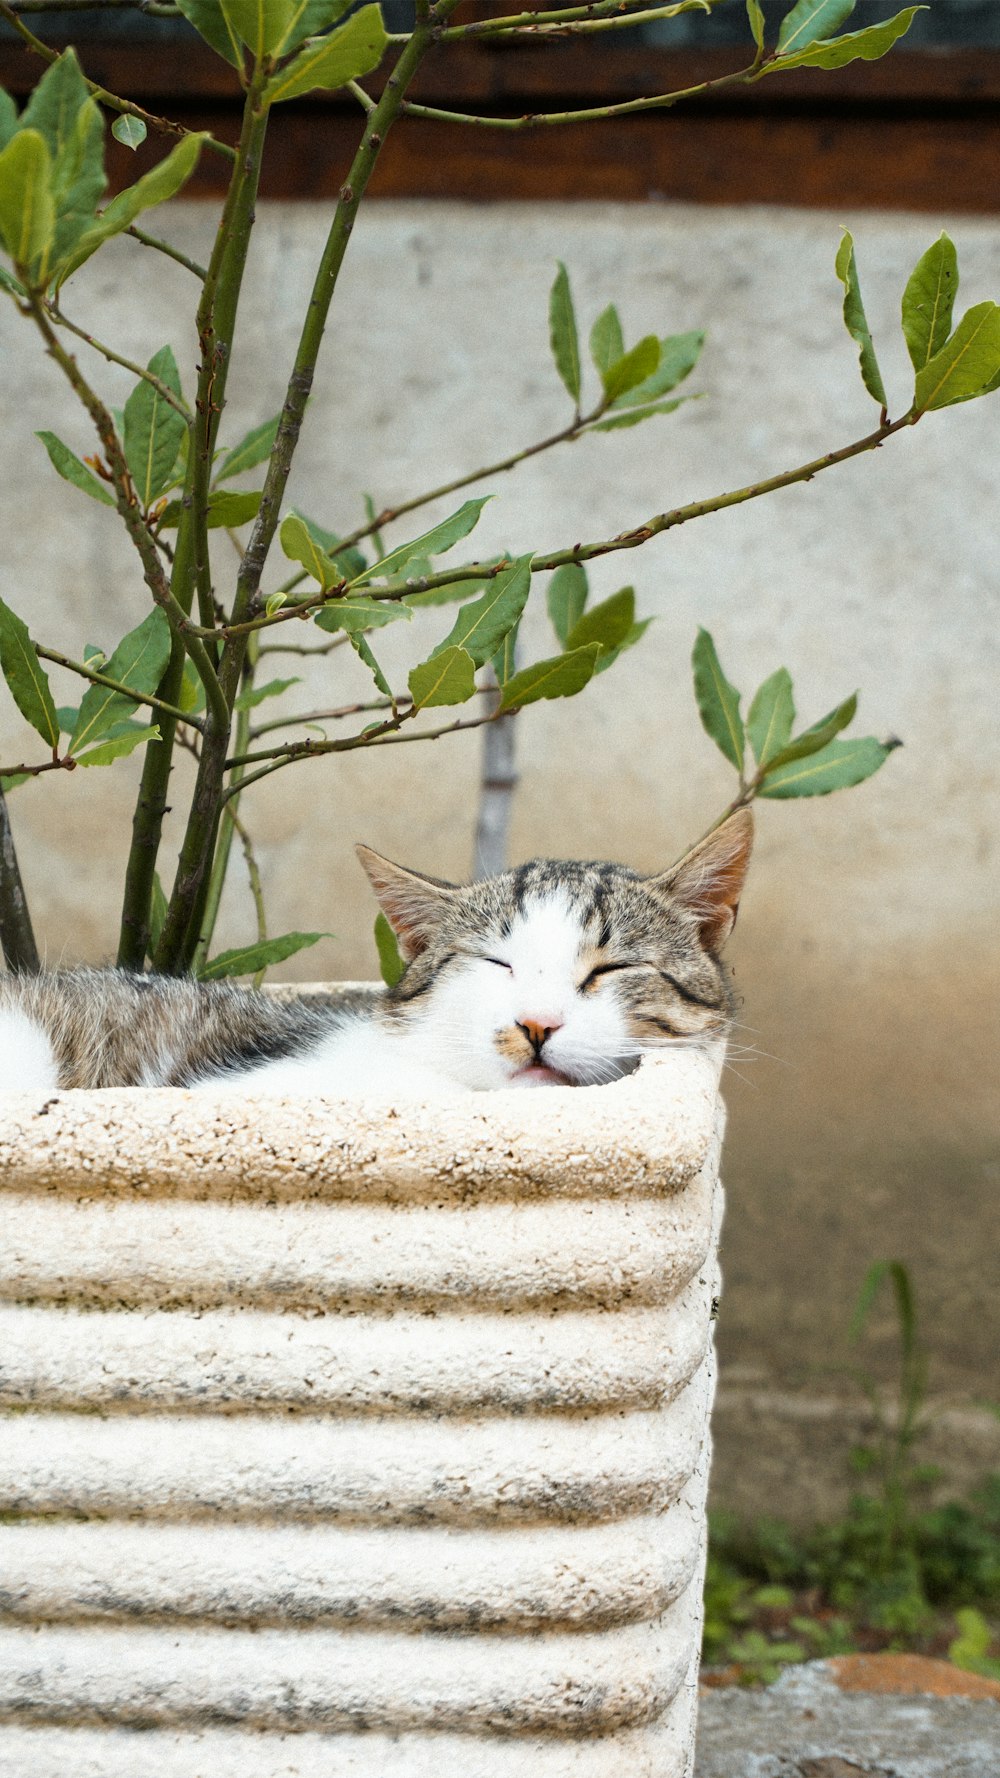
499 962
601 969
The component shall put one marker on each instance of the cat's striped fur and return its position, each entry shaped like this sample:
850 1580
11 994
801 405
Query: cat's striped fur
550 974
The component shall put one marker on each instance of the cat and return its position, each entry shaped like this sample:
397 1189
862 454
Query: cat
551 974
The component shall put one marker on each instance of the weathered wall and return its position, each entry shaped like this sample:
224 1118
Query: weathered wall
863 1120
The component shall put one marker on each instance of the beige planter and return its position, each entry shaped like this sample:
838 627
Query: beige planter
356 1440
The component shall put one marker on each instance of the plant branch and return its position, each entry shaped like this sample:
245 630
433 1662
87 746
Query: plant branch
97 678
191 265
17 939
307 716
532 120
565 435
123 106
586 552
598 9
384 736
128 506
216 319
147 376
606 15
61 763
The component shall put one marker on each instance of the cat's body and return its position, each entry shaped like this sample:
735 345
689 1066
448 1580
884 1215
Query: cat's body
549 975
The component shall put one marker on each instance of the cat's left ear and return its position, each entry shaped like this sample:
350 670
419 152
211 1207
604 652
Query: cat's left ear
412 903
709 880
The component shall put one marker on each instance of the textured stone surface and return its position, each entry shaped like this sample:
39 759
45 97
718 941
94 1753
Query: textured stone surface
808 1726
359 1440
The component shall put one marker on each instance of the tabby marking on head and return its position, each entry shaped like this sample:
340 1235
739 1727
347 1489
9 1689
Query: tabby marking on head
552 974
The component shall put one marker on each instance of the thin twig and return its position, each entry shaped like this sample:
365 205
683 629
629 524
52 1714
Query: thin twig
191 265
576 21
101 93
126 691
586 552
532 120
301 648
385 736
138 370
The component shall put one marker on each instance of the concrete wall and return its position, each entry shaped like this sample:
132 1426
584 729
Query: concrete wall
863 1117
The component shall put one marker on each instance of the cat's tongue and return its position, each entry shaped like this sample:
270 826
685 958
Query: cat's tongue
539 1077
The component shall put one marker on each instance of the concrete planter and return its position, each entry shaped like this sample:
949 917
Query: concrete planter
356 1440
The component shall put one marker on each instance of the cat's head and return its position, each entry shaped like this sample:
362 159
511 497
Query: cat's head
564 973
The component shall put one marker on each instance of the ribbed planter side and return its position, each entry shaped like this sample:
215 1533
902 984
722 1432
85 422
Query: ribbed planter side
356 1440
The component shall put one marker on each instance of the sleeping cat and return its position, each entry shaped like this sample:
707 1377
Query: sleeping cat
552 974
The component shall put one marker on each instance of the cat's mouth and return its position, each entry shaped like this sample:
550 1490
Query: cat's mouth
538 1074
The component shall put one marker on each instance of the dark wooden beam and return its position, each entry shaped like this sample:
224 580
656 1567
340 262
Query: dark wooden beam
918 131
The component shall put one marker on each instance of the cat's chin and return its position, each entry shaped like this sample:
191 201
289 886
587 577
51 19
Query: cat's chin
540 1076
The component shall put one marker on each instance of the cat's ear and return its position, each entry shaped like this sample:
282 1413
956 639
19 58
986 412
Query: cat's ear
709 880
412 903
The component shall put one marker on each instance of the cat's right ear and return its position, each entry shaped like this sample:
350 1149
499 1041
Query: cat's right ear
412 903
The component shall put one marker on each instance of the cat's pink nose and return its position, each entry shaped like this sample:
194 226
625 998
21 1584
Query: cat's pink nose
537 1031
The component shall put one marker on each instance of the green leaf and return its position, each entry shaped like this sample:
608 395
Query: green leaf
756 17
260 24
928 301
138 662
809 20
679 353
966 365
607 343
65 115
608 656
481 626
300 545
248 700
449 677
252 449
130 131
354 612
364 653
12 780
454 591
72 470
349 561
9 282
124 740
856 321
191 697
562 333
27 207
607 624
248 959
308 18
8 117
567 596
813 739
504 662
210 22
867 45
274 602
162 182
153 429
391 965
225 509
329 62
718 701
835 767
770 718
157 913
24 674
637 366
562 676
430 543
633 416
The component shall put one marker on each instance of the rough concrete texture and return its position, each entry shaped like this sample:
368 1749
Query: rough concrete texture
866 952
284 1449
807 1726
